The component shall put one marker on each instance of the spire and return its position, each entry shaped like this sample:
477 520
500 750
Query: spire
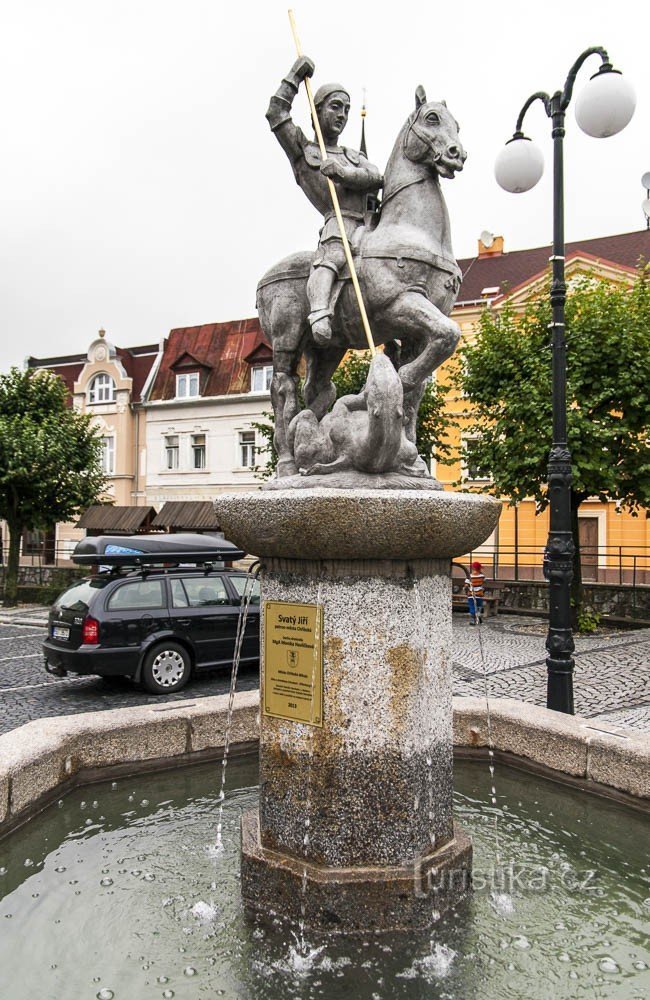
362 145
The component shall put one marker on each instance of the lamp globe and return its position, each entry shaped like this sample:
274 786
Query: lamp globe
519 165
606 105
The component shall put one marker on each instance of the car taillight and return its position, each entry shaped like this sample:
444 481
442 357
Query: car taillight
89 632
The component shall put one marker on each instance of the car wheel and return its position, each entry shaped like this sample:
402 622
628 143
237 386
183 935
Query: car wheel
166 668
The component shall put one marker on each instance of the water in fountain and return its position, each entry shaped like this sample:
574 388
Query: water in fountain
502 901
244 606
127 903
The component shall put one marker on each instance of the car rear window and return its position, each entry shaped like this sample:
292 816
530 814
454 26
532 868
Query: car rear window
139 595
247 585
79 597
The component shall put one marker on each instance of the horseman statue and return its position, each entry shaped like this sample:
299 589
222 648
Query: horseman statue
387 277
350 171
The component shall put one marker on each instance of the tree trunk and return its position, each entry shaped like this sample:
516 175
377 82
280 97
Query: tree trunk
577 590
11 571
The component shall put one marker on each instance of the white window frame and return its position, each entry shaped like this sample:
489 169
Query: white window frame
188 385
171 464
246 449
108 454
199 450
261 376
101 389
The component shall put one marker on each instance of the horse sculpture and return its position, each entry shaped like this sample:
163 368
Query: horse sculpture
409 280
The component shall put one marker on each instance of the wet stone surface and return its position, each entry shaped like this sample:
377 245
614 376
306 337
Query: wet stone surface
612 681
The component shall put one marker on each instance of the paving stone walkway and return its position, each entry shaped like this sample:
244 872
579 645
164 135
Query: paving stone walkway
612 680
612 674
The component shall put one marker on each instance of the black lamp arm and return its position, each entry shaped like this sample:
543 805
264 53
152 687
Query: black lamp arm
606 66
539 96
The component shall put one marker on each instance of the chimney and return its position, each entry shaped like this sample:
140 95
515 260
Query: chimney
489 245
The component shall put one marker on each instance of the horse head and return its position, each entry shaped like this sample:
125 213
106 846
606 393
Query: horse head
431 137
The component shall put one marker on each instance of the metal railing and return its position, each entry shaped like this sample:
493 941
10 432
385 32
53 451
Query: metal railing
622 565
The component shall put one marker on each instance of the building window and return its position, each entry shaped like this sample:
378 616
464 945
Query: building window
247 449
472 471
187 385
108 456
171 451
101 389
198 451
261 377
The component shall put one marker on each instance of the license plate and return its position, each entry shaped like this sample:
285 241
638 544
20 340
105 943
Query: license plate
58 632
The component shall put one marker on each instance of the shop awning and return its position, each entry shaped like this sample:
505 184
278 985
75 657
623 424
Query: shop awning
105 518
187 515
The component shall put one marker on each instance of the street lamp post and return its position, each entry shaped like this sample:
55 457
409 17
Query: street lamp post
604 107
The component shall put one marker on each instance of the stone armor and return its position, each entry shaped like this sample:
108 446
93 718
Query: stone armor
360 178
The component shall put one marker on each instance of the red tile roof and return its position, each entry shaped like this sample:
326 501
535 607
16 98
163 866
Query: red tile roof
137 363
507 271
220 348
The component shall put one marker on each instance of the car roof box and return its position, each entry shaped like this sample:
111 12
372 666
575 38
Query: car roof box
143 550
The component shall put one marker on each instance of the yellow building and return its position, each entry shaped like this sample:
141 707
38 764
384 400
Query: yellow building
615 546
109 382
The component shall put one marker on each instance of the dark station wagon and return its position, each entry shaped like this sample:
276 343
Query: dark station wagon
152 622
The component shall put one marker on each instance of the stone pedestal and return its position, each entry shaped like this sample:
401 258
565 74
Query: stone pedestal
361 807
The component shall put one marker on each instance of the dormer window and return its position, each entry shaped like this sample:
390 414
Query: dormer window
261 377
101 389
187 385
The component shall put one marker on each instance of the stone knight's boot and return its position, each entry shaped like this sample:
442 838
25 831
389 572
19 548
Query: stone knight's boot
319 291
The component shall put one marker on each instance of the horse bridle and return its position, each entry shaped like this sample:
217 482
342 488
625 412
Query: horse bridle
412 127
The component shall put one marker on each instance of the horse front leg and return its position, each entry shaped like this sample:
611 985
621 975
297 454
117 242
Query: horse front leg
420 322
284 397
319 390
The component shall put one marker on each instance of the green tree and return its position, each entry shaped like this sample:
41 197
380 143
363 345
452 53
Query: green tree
505 375
350 378
49 459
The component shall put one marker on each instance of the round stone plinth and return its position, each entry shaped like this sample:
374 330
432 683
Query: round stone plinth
357 524
357 900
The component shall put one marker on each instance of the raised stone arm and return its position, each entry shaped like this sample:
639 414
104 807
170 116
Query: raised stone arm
279 110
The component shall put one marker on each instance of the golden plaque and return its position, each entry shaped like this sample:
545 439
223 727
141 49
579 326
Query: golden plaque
292 673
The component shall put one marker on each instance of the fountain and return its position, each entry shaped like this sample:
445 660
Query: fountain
120 890
356 538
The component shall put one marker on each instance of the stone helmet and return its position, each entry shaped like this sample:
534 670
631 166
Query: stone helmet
327 90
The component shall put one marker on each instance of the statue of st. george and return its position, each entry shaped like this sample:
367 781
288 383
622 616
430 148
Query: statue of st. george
350 171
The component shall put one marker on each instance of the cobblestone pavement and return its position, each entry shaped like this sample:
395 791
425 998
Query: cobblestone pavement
507 654
612 681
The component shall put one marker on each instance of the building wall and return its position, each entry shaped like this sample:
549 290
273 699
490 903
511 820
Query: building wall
620 534
221 419
122 419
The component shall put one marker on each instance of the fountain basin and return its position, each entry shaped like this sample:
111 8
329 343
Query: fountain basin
359 524
119 889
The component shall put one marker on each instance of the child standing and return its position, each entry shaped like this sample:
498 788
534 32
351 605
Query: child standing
475 589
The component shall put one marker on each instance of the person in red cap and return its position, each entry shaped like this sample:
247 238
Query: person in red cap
475 590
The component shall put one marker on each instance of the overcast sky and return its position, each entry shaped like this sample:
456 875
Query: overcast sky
140 186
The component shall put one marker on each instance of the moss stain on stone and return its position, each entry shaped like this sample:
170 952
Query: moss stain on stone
406 675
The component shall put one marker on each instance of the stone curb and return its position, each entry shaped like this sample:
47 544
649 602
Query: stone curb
47 757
